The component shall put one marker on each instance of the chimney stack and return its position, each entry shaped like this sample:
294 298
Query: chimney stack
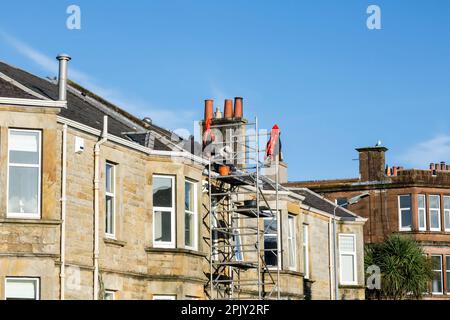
442 166
238 108
372 163
62 78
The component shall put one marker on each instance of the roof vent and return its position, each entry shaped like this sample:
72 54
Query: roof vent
147 120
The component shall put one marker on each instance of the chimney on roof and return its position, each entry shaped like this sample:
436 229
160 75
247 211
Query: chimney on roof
62 78
372 163
238 108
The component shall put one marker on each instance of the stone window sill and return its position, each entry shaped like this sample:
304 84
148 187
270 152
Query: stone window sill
175 251
31 221
115 242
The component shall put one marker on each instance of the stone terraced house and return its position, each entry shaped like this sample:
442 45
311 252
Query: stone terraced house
98 204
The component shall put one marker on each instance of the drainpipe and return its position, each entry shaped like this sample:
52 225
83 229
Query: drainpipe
62 96
330 263
104 138
63 212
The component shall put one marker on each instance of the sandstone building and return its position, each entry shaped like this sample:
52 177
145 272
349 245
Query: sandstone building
413 202
98 204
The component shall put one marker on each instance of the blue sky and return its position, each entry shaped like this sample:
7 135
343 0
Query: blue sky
312 67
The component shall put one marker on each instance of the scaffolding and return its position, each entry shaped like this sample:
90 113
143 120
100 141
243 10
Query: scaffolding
242 264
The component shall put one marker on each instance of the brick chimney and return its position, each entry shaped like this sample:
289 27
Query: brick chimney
372 163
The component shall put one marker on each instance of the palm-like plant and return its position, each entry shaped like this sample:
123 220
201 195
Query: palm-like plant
405 270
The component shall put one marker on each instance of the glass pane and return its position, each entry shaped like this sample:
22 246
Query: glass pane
347 268
237 248
434 202
24 147
20 289
436 260
109 214
406 218
109 178
447 219
437 282
270 256
189 229
421 218
23 190
270 225
446 202
434 218
421 201
162 192
405 201
346 243
163 229
291 252
189 196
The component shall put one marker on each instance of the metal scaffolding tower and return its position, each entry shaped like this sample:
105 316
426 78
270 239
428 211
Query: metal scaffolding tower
240 215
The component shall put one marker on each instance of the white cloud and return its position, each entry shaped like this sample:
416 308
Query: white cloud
161 116
433 150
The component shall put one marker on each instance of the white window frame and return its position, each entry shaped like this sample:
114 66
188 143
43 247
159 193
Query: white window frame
33 279
194 215
164 297
353 253
171 243
423 211
400 209
291 239
446 215
278 235
39 166
442 273
110 292
113 196
447 273
305 246
438 210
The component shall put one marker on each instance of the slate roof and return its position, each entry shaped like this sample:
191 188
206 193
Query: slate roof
8 90
83 107
315 200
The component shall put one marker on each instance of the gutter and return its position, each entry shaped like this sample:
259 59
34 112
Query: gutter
33 102
104 138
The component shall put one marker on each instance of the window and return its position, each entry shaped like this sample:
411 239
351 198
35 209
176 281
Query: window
347 258
404 204
435 213
291 242
109 295
421 209
190 215
238 254
305 245
447 213
163 211
436 284
24 174
22 289
110 192
447 273
164 297
271 241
